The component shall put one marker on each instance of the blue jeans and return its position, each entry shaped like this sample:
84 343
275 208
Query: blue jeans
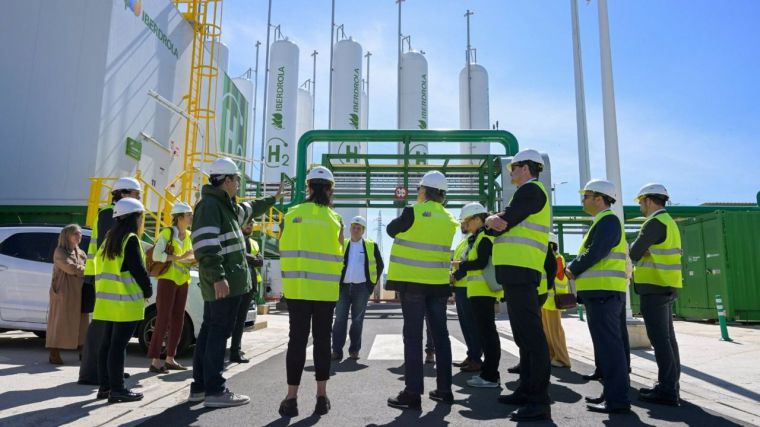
208 360
467 323
604 325
415 308
353 296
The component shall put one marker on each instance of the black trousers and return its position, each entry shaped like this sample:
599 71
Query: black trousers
604 325
237 331
657 310
305 315
113 338
485 326
626 342
525 318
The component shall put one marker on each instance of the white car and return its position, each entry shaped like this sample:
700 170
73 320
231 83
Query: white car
26 269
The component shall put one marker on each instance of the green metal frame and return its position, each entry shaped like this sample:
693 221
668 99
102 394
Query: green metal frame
489 168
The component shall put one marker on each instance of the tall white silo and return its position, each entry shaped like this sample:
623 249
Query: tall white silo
346 94
282 109
221 55
304 119
474 106
414 97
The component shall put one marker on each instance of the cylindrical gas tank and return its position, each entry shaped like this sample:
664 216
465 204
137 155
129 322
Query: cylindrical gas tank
304 119
364 122
346 95
475 106
282 109
414 97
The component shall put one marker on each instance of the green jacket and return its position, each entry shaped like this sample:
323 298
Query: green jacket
218 243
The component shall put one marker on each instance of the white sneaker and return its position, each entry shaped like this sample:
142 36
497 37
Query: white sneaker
225 400
197 396
478 381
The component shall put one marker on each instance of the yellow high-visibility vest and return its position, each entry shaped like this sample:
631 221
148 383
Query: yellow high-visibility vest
609 274
118 297
311 257
255 251
662 265
476 282
525 244
369 248
178 272
422 254
458 251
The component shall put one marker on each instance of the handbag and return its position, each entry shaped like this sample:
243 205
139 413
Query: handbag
565 301
156 268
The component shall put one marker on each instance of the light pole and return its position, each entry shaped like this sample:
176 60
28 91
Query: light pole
554 192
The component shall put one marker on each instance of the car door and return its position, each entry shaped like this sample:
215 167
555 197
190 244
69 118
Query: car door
26 267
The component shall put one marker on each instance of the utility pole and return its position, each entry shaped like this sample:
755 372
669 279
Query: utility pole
332 44
313 87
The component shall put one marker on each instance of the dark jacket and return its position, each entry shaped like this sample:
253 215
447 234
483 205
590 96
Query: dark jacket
378 263
527 200
484 249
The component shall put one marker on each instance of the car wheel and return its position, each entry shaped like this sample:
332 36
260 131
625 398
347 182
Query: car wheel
148 326
40 334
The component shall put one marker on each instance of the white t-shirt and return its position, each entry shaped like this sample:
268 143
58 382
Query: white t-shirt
355 268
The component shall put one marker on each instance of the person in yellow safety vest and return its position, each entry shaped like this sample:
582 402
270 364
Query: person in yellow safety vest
551 316
481 297
172 287
362 266
121 287
126 187
521 242
255 260
657 277
473 362
601 281
419 270
311 259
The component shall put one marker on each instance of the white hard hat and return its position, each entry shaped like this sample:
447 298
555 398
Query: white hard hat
127 183
601 186
553 238
181 208
525 155
320 172
127 206
652 188
471 209
223 166
435 179
359 220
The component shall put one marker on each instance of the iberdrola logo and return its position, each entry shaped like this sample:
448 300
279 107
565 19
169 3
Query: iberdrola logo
134 5
277 120
353 120
422 124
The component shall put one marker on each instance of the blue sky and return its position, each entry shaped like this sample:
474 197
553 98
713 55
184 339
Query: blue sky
685 75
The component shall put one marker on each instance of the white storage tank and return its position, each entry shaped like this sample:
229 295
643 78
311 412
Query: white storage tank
364 122
221 55
282 109
346 95
305 118
414 97
480 111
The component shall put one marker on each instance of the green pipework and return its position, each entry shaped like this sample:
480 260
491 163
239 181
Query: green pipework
407 137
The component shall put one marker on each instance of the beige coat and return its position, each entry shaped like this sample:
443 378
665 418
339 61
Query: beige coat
66 324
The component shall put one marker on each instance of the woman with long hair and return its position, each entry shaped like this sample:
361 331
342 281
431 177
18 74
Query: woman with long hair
311 249
171 293
121 286
67 324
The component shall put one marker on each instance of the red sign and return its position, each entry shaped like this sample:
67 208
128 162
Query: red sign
400 193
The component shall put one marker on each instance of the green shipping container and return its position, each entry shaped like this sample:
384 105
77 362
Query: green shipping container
721 257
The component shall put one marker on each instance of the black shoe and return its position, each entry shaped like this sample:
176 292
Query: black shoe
595 400
462 363
161 370
103 393
592 377
429 357
513 399
126 375
238 358
531 412
660 398
406 400
442 396
514 370
646 390
336 356
289 408
606 409
323 405
124 396
84 381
